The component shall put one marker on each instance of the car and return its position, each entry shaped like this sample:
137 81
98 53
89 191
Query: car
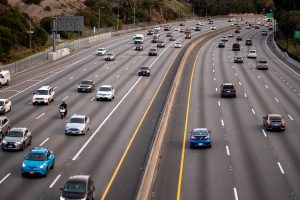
270 28
238 59
86 86
247 27
110 56
224 39
156 35
181 24
138 47
230 35
17 139
150 32
44 94
157 28
239 38
152 52
105 92
155 40
262 64
236 47
188 36
264 33
221 44
237 31
210 22
101 51
5 106
251 53
38 162
197 28
248 42
228 90
274 122
193 27
4 77
256 27
213 28
167 28
200 137
169 34
78 187
172 38
161 44
181 30
177 45
177 29
4 126
77 125
144 71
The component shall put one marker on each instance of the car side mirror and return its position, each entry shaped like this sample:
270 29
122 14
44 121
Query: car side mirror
51 152
209 132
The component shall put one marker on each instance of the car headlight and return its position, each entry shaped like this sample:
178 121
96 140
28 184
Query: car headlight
42 166
2 108
61 198
23 165
4 142
18 143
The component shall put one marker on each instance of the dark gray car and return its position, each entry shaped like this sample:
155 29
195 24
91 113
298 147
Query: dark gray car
4 126
17 139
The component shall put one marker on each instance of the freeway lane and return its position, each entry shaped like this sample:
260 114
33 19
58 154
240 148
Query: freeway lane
244 162
105 150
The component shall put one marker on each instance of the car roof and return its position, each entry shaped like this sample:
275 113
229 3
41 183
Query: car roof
39 150
227 84
18 129
44 88
77 116
86 80
106 86
81 178
274 115
3 99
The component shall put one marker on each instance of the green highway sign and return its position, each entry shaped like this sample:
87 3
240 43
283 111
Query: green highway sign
269 15
297 34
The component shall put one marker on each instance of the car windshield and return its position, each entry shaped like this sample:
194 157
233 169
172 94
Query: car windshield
252 51
36 156
76 120
1 103
75 187
109 54
101 49
42 92
152 50
105 89
85 82
275 118
15 134
228 86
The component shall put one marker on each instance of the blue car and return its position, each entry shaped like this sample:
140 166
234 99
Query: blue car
200 137
38 161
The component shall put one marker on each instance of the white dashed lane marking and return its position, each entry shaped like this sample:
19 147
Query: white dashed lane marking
290 117
276 99
55 180
40 116
44 142
227 150
280 167
264 132
4 178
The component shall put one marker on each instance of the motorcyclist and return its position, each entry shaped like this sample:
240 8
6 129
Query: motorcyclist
63 105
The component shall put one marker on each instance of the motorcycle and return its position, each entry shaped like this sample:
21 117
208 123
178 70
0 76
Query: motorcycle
62 112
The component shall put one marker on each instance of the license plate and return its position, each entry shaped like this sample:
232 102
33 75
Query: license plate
83 89
228 91
31 172
200 144
10 146
73 131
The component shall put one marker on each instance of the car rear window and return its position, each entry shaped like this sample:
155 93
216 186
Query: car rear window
228 86
275 118
263 61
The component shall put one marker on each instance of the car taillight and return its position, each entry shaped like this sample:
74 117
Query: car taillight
269 122
223 90
282 123
193 137
207 137
234 89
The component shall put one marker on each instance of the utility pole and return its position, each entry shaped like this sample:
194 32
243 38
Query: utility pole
134 16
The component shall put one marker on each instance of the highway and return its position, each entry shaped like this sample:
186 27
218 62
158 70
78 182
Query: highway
115 149
245 161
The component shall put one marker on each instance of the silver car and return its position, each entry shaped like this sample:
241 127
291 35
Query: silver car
17 139
77 125
109 56
4 126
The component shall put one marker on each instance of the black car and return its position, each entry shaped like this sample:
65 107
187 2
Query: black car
248 42
188 36
228 90
236 47
161 44
198 28
144 71
150 32
79 187
181 24
237 31
152 52
274 122
86 86
238 59
221 45
139 47
169 34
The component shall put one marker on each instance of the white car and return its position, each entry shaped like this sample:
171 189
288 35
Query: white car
106 92
101 51
44 94
5 106
109 56
178 45
157 28
213 28
224 39
251 54
77 125
177 29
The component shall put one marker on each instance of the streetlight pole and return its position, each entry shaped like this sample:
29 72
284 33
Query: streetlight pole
134 16
30 30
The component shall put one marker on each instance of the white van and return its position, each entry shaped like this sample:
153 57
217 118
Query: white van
4 77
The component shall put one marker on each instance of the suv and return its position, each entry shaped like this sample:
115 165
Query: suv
4 126
38 161
236 47
101 51
86 85
200 137
77 124
152 52
273 122
106 92
44 94
79 187
251 53
262 64
17 139
248 42
109 56
228 90
188 36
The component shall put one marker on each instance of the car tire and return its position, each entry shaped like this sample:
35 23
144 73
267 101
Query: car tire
23 147
29 143
9 109
46 172
53 164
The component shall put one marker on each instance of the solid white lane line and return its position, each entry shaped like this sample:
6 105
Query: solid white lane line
222 122
219 103
92 99
245 95
276 99
65 98
290 117
253 111
280 167
264 132
236 197
227 150
55 180
40 116
44 142
267 87
4 178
